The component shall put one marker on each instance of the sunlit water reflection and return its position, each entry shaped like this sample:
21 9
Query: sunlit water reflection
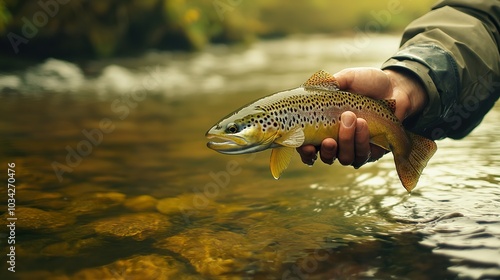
150 201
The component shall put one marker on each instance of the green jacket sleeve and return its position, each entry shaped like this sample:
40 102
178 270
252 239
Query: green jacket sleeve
454 51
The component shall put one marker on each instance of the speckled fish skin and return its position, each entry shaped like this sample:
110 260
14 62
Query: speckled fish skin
311 113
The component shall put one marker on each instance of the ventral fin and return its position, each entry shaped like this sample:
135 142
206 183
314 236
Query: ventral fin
321 80
389 103
293 138
280 158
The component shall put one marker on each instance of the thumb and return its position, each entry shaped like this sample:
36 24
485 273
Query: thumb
371 82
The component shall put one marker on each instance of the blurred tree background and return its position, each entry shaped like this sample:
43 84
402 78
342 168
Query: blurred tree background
103 28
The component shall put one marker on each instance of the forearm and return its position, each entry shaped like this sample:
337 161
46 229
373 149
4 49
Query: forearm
454 53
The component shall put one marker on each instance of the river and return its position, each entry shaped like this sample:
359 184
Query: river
113 179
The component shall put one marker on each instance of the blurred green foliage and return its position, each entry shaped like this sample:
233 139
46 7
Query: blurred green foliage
5 17
69 28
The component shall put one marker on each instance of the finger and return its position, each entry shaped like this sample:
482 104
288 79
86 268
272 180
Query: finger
328 150
307 154
347 131
362 143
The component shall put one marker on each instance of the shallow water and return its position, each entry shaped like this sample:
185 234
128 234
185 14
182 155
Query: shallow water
117 183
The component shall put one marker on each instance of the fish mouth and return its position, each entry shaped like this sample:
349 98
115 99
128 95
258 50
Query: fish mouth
227 144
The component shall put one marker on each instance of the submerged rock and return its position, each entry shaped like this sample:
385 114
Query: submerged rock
136 267
95 202
209 252
138 226
182 203
35 195
190 207
37 219
70 248
44 200
141 203
195 206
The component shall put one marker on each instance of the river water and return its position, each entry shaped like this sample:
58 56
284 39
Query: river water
113 179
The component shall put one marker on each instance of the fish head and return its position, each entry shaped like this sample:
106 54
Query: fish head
245 131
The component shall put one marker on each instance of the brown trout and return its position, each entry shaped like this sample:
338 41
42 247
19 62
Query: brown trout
310 113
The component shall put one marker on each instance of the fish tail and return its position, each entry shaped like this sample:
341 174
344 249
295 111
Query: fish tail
410 167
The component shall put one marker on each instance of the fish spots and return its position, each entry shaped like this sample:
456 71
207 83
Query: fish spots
301 110
313 108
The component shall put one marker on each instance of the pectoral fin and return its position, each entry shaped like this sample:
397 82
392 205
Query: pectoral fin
280 158
294 138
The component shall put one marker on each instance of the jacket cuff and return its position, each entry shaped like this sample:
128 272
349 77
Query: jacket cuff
438 72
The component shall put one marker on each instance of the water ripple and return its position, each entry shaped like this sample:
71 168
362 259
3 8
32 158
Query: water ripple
455 208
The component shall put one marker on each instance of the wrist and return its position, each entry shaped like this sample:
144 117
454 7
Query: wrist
408 91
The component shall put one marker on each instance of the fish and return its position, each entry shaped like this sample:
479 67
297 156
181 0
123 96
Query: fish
310 113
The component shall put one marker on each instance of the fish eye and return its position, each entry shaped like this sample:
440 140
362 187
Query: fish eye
232 128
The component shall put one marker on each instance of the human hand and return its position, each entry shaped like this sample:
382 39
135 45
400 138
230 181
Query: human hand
353 146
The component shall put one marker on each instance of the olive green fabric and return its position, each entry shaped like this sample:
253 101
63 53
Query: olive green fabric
454 51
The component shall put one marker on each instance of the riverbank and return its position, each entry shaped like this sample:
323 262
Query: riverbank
92 29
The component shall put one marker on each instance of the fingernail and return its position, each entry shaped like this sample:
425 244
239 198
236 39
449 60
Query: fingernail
348 120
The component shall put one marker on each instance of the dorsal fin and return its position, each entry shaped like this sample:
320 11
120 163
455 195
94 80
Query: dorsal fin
322 80
389 103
